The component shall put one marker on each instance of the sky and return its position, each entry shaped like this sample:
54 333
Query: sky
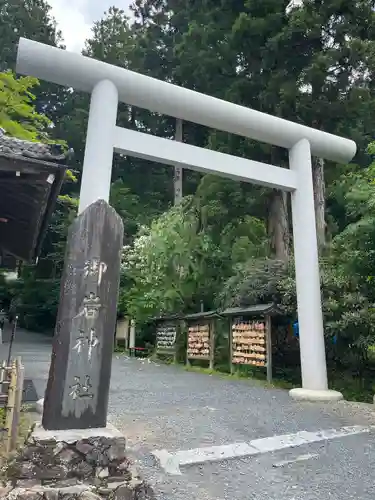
75 18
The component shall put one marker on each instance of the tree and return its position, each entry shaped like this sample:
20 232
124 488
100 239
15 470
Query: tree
24 18
18 116
166 264
245 51
31 19
354 246
38 290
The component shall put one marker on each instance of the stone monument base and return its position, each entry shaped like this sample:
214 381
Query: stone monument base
84 464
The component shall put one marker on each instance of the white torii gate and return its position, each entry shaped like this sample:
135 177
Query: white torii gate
110 84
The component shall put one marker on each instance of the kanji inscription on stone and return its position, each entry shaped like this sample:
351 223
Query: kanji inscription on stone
78 384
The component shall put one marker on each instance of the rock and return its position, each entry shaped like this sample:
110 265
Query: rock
5 490
89 495
73 491
69 467
145 492
59 448
114 485
29 495
51 495
102 472
103 490
52 472
76 490
116 452
97 458
32 453
27 471
135 480
68 496
83 470
124 492
27 483
125 465
83 447
66 483
68 457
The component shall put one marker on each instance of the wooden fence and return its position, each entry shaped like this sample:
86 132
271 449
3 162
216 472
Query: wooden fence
11 388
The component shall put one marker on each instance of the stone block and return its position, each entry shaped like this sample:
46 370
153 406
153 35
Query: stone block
84 447
68 457
4 490
124 492
116 452
51 495
83 470
87 464
89 495
102 472
72 436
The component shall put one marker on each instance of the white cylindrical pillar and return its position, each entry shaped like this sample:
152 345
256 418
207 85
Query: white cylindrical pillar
310 316
97 164
132 335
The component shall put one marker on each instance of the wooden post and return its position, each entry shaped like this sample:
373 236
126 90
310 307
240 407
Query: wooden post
230 345
11 405
186 326
178 333
269 348
14 328
4 377
212 344
78 384
17 404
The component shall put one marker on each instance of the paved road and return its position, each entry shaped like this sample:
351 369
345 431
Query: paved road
163 407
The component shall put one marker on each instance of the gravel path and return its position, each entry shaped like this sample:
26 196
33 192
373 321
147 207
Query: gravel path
165 407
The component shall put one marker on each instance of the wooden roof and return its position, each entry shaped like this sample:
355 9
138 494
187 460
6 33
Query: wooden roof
30 181
255 310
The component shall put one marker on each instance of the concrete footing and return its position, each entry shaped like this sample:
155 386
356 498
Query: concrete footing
300 394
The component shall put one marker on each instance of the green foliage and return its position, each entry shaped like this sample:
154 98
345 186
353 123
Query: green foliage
355 245
17 111
254 281
167 264
27 18
36 302
348 313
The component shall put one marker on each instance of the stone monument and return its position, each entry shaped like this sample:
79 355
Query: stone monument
78 383
75 454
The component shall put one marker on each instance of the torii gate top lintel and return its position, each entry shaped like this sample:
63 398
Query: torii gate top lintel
83 73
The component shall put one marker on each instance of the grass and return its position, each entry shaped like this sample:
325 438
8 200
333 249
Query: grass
352 388
276 383
23 431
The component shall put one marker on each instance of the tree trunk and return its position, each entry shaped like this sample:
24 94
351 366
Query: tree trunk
278 226
319 200
177 169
